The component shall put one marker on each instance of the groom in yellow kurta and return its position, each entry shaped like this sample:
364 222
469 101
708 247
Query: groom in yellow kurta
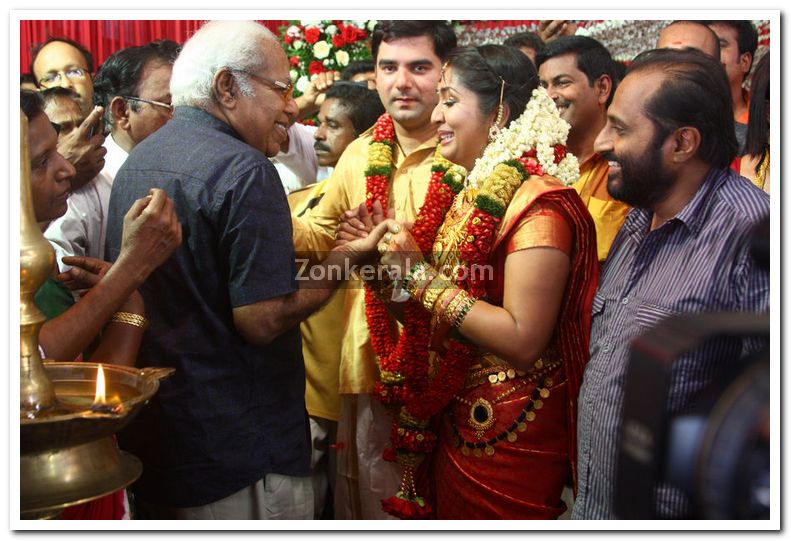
408 57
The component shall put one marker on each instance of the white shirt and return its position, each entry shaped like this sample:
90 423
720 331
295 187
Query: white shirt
82 229
299 167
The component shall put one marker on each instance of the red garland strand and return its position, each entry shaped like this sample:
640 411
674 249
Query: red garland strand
410 394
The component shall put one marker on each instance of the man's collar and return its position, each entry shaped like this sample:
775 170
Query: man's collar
189 113
692 215
695 211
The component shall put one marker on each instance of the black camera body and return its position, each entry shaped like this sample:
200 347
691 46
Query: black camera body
717 453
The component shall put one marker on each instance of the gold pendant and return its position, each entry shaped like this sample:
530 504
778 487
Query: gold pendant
481 417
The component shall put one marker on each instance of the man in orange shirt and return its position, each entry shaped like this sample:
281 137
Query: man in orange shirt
580 76
738 42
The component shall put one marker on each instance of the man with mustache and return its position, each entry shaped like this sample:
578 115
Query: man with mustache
66 63
131 88
668 139
408 56
581 76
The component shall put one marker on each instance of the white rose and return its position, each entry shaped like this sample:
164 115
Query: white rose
294 31
298 43
342 58
293 74
321 49
331 30
302 83
372 25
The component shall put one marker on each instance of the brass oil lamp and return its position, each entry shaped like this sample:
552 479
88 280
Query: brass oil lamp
69 411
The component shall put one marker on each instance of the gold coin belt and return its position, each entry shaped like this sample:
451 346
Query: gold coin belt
482 419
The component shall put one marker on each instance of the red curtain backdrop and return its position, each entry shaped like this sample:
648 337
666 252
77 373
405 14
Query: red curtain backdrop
103 38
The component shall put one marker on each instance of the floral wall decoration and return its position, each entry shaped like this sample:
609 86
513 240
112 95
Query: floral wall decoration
624 39
314 47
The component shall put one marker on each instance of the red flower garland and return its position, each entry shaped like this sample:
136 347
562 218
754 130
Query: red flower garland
405 387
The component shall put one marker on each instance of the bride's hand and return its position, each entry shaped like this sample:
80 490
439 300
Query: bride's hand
400 251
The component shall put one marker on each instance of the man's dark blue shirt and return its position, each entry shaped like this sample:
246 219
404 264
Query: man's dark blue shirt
232 412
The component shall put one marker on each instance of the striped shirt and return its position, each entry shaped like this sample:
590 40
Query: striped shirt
697 261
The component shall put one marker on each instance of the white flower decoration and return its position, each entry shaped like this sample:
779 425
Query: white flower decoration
302 83
539 127
293 74
294 32
298 43
321 49
372 25
331 30
342 58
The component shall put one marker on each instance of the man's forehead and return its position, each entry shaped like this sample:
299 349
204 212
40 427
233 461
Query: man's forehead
680 35
335 109
408 49
58 55
635 90
41 136
565 63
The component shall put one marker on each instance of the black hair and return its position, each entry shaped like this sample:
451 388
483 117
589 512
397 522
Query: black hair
483 69
531 40
36 49
593 58
694 92
358 66
31 103
363 104
120 74
758 125
440 32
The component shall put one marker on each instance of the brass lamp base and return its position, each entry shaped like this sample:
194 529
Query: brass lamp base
52 480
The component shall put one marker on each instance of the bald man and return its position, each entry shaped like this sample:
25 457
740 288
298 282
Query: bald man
695 34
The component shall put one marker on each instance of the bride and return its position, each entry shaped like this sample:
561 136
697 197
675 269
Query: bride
500 270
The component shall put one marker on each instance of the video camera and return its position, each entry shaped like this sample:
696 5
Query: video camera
716 453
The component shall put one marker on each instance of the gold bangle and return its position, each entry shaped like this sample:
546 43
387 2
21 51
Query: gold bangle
130 319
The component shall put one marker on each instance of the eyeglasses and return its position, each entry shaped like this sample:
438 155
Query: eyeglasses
55 77
164 105
285 89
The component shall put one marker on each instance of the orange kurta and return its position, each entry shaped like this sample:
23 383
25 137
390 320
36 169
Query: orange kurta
608 214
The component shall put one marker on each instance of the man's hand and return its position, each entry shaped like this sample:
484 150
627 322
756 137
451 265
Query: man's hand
549 30
311 99
85 272
151 233
83 148
357 223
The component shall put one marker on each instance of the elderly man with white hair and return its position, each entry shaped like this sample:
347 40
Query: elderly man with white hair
227 436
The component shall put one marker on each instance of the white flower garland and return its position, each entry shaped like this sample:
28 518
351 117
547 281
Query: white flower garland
539 127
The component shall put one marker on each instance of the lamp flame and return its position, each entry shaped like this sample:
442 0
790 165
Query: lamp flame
99 398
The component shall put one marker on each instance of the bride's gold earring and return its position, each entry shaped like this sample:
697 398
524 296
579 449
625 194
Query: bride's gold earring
494 129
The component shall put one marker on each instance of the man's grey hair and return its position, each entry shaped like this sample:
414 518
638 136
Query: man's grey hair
235 45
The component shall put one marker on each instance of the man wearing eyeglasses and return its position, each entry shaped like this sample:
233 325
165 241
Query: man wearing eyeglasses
227 437
133 89
66 63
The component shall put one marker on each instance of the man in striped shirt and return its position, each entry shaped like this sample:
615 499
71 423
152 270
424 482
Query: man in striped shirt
669 139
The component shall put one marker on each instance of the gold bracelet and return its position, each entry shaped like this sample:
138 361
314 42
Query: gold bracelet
130 319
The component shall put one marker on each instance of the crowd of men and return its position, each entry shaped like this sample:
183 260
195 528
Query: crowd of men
176 184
